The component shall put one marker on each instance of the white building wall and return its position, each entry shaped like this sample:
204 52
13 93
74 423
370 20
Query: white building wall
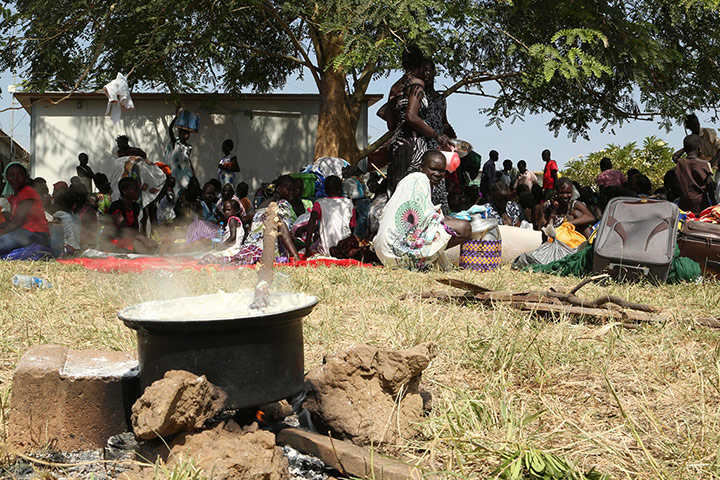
271 136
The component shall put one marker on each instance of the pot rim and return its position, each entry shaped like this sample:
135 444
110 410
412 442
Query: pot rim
181 326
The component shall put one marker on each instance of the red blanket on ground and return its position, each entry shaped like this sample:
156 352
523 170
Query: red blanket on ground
144 264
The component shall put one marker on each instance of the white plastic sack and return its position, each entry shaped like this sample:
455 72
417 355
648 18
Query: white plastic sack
546 253
485 228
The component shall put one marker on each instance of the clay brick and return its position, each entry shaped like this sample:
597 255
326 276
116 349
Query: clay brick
70 399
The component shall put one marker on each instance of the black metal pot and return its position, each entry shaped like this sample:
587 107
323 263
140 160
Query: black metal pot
256 360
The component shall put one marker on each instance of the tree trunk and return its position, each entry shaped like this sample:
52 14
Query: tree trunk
336 128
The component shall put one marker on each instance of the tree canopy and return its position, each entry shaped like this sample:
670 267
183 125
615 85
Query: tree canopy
584 61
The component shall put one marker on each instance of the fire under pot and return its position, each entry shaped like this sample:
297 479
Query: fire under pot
256 359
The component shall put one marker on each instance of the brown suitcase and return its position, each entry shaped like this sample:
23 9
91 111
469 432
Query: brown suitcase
700 241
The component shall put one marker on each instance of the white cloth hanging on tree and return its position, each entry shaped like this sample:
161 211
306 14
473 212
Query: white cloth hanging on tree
118 94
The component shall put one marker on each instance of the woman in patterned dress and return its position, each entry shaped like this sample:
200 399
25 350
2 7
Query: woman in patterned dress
412 233
178 156
418 120
251 251
228 164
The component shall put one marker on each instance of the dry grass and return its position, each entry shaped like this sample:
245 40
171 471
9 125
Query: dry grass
639 403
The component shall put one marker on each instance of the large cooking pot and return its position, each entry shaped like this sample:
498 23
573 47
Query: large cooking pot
256 359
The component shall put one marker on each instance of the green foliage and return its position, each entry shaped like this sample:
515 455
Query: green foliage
583 61
183 469
528 463
653 160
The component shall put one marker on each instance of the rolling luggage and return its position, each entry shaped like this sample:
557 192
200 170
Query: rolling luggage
700 241
636 238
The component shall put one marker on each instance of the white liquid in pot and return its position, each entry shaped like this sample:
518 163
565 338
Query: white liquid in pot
215 306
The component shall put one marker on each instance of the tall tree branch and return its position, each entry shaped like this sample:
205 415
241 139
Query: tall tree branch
291 58
295 41
360 86
478 78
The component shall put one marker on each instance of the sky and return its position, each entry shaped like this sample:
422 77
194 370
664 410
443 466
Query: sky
519 141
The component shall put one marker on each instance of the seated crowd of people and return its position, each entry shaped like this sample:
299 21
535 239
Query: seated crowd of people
331 209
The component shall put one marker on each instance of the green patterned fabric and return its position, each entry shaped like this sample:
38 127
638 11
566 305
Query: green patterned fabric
580 263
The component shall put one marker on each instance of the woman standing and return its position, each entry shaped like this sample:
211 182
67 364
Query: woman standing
228 164
178 156
418 119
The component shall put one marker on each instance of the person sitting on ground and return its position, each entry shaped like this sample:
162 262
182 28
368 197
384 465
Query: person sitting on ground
79 196
299 204
608 176
39 184
208 203
251 251
123 235
217 185
458 202
227 192
233 234
228 164
672 186
561 208
694 177
105 192
89 222
70 221
332 217
84 172
378 188
27 224
527 203
205 226
641 185
412 233
633 171
590 199
241 192
58 188
166 204
501 208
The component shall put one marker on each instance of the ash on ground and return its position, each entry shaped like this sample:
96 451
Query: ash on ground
304 467
65 466
108 464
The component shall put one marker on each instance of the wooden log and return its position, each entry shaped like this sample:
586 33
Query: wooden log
707 322
265 272
463 285
347 457
601 313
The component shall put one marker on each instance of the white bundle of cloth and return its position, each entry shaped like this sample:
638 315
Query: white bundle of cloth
118 94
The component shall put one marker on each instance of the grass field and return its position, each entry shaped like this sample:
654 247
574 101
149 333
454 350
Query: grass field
630 403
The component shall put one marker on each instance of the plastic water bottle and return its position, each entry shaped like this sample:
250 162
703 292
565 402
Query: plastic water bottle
27 281
219 238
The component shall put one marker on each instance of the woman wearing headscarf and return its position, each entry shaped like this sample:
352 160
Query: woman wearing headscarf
27 224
